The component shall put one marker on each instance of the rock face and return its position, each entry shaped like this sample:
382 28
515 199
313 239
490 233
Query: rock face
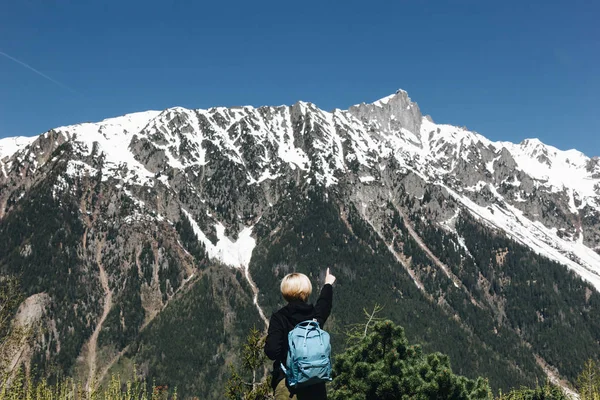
390 115
116 220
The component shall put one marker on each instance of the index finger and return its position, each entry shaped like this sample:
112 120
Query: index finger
327 270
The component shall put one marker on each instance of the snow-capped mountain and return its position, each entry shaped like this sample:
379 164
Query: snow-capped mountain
138 206
507 185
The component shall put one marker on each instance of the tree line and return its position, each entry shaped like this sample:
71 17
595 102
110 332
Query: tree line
380 364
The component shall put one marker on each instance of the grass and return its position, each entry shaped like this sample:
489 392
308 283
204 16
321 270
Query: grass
21 388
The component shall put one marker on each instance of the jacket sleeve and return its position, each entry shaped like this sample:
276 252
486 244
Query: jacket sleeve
274 343
324 303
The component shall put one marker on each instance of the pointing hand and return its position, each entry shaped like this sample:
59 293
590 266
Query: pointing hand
329 278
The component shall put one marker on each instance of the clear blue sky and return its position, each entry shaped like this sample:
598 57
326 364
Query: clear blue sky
507 69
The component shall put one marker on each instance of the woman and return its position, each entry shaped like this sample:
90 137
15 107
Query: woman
296 288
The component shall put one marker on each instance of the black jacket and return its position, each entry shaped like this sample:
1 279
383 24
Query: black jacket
284 320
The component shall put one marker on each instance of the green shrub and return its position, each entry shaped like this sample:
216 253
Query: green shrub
384 366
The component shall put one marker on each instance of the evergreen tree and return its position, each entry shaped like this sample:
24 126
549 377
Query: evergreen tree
546 392
10 298
238 387
588 381
11 337
384 366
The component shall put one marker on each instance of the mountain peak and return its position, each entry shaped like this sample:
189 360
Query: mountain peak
531 142
391 113
399 94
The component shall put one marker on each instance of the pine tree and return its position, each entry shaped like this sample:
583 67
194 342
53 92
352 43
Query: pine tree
253 363
384 366
11 337
546 392
10 298
588 381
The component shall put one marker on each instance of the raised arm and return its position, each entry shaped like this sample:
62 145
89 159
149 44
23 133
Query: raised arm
325 301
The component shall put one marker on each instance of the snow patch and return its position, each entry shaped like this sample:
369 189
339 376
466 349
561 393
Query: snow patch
263 177
78 168
235 254
490 165
112 137
576 256
11 145
365 179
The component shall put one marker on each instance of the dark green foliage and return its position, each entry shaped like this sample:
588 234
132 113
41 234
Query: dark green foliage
147 261
190 241
40 244
588 381
10 298
549 305
126 316
384 366
10 335
126 205
169 277
546 392
312 236
247 382
190 343
485 319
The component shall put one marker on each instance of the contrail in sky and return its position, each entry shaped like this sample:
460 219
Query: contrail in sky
29 67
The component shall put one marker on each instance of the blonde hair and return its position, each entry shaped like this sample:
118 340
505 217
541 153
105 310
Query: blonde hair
296 286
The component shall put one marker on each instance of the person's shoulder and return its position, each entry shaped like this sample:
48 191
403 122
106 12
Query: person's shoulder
283 309
280 314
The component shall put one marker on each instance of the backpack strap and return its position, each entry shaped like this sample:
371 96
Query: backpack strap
308 322
314 324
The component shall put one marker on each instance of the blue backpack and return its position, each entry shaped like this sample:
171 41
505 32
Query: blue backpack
309 355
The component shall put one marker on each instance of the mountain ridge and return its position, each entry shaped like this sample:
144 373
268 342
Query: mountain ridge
435 151
154 214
